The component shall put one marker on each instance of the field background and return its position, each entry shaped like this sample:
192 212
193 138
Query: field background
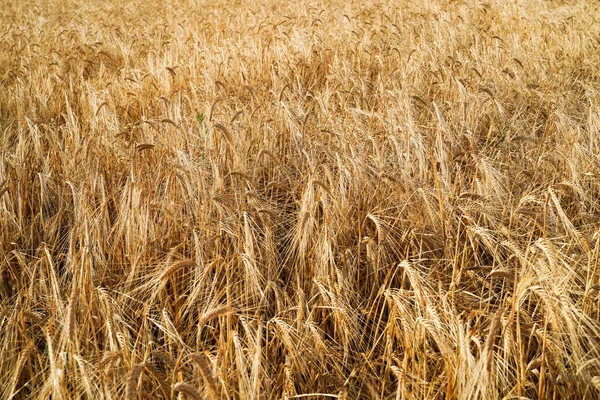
318 199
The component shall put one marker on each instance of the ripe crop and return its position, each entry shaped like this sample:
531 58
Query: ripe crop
271 199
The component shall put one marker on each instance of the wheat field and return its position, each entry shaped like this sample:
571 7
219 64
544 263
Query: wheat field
266 199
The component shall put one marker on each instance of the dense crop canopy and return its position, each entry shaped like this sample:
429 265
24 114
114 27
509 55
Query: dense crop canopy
310 199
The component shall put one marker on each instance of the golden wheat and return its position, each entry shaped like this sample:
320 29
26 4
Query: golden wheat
269 199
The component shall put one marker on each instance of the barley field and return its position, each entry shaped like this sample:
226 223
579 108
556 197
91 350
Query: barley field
366 199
